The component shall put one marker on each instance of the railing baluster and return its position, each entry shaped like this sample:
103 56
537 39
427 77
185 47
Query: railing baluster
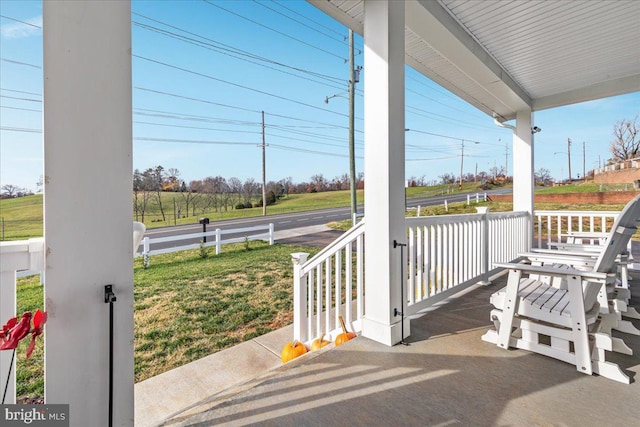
419 290
410 284
360 275
310 302
348 285
338 287
327 278
319 296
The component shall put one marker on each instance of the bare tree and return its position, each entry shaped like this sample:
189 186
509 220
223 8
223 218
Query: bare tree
319 182
543 176
249 189
9 191
40 184
189 196
235 187
626 143
171 180
447 178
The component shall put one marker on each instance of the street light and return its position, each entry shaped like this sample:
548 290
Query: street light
354 77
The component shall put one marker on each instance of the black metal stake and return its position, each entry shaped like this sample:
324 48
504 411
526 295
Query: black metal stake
402 285
109 298
6 386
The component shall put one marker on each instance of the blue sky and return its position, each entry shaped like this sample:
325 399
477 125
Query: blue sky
204 71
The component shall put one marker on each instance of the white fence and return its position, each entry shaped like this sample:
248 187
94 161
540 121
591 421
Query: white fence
217 235
555 226
445 254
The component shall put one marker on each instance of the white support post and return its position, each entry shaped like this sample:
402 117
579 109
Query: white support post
384 128
523 178
271 234
300 312
484 211
88 170
468 199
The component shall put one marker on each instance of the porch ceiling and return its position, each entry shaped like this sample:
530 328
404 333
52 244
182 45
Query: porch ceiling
502 56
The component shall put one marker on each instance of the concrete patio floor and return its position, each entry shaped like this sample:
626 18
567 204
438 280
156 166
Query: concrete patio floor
445 376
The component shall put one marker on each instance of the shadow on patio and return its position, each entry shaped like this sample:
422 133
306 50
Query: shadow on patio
446 376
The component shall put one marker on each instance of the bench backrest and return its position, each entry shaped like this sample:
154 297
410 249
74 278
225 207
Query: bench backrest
623 228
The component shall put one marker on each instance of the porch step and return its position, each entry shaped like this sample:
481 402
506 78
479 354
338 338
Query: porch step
177 392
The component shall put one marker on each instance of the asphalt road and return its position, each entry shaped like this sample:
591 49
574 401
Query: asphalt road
294 220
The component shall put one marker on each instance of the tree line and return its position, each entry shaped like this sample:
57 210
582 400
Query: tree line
217 193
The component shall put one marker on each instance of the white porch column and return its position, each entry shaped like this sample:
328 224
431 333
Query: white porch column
383 167
523 168
87 210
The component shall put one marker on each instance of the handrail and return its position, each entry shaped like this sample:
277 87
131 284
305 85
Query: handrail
348 236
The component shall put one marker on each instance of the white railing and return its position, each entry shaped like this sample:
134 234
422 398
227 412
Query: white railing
445 254
329 285
555 226
454 251
217 240
15 256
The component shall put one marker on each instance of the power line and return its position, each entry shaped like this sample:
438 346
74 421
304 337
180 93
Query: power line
21 91
275 31
14 129
450 137
238 85
20 99
194 127
229 48
301 23
22 22
235 107
20 63
307 18
239 55
22 109
194 99
192 141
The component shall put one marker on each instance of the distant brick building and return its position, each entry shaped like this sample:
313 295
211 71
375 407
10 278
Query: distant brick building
626 172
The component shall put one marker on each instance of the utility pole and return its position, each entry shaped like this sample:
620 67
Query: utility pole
264 171
461 163
352 154
569 156
506 159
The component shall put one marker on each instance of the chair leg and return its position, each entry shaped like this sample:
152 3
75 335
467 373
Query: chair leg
599 365
509 310
580 332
